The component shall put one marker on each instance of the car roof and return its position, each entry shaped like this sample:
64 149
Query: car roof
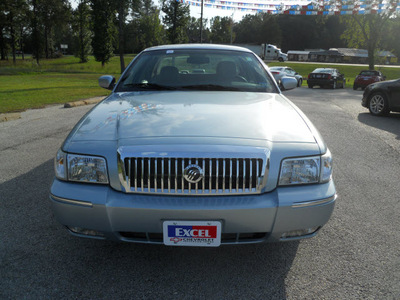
198 47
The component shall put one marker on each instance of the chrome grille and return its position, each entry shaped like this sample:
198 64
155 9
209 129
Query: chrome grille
164 175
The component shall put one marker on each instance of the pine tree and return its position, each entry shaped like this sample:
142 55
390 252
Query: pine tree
176 19
103 15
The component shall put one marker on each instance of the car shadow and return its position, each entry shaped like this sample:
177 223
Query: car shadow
40 259
388 123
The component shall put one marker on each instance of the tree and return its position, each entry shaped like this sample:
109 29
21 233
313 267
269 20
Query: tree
259 29
36 37
391 40
176 19
13 14
193 30
221 30
123 7
145 29
151 31
103 30
52 13
367 30
81 26
3 27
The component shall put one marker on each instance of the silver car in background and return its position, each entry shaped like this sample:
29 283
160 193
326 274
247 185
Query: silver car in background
195 146
280 72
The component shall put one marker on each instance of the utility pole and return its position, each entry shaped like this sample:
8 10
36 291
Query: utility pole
201 23
232 27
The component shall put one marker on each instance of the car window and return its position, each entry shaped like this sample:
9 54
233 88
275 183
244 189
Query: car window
321 70
369 73
196 70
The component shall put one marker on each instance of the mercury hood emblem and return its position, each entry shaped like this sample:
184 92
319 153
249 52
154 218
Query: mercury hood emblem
193 173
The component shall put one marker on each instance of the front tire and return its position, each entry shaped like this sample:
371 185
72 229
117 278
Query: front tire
355 87
280 59
378 104
300 82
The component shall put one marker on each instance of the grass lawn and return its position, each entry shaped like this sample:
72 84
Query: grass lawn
28 85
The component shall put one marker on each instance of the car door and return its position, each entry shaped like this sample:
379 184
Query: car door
394 91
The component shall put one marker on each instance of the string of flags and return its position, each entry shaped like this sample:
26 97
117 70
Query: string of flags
302 7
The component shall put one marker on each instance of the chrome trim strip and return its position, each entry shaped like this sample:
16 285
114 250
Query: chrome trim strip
251 175
176 176
244 175
162 175
197 184
237 175
70 201
141 179
314 203
210 178
223 175
128 178
155 174
204 176
216 175
182 178
230 175
148 176
136 172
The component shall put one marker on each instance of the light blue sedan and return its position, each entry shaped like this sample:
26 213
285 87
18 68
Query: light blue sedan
195 146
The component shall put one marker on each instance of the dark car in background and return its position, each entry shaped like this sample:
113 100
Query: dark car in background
326 77
367 77
382 97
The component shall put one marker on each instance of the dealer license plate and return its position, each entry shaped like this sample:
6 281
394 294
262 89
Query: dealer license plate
192 233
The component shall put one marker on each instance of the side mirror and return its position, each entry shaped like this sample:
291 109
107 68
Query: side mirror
107 82
288 83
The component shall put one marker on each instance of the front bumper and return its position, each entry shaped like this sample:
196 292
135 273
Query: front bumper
267 217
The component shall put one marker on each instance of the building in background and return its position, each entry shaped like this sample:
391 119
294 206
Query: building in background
340 55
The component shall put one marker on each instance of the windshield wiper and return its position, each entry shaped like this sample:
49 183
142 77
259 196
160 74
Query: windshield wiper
149 86
209 87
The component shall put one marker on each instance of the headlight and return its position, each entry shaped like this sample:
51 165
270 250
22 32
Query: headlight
305 170
81 168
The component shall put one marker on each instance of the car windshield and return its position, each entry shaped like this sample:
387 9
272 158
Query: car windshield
369 73
323 71
194 69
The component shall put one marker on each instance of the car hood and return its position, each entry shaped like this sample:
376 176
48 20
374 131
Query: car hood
384 83
238 115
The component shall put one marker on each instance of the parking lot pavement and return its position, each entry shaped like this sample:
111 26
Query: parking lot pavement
355 256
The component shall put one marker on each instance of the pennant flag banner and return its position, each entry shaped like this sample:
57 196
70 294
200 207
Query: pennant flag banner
302 7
